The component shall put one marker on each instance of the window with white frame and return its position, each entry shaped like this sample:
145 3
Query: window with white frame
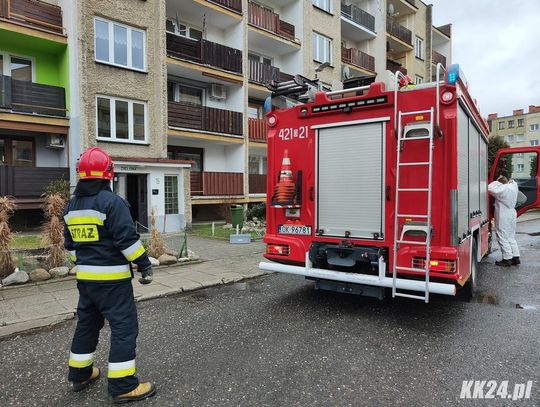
520 138
322 48
177 92
171 195
510 138
119 44
534 142
183 30
19 67
323 4
419 48
534 127
501 125
520 167
121 120
257 164
418 79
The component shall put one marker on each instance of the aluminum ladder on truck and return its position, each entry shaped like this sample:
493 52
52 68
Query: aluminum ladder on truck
425 226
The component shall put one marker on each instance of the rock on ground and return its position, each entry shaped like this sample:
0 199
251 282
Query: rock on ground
59 272
39 275
166 260
154 261
17 277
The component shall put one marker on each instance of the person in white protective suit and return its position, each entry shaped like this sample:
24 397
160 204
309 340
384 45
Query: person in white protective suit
505 193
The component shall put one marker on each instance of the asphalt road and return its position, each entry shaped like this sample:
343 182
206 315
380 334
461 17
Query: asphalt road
275 341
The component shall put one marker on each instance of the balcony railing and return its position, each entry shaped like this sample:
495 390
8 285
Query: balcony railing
358 16
257 129
358 58
235 5
438 58
33 13
204 118
257 183
28 182
30 97
217 183
264 73
397 30
394 66
268 20
205 52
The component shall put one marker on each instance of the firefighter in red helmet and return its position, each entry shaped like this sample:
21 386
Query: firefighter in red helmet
102 240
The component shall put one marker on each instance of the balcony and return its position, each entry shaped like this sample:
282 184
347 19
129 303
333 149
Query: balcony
394 66
396 30
264 73
358 16
205 52
30 97
438 58
257 183
217 183
33 13
234 5
257 129
267 20
358 58
27 184
203 118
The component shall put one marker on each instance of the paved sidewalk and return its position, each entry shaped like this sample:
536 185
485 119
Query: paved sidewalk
42 304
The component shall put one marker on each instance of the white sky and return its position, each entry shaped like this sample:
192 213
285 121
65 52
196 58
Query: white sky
497 45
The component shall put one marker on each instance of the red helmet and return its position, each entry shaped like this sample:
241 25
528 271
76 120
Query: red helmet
95 163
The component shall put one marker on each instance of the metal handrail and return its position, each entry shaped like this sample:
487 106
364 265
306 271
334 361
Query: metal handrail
437 96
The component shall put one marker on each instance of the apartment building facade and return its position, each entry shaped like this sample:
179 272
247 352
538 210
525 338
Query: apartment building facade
521 129
118 82
34 102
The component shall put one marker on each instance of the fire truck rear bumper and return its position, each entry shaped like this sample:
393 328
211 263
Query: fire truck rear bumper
366 279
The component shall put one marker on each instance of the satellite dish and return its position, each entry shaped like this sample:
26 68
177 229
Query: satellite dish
346 72
391 9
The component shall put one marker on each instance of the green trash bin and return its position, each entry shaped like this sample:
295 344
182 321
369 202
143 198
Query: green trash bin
237 216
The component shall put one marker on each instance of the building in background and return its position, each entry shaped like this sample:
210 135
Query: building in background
519 130
118 82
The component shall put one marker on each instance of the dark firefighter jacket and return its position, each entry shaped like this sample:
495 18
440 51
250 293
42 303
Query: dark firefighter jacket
100 235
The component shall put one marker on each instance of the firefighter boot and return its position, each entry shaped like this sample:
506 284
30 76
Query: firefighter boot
516 261
141 392
78 386
504 263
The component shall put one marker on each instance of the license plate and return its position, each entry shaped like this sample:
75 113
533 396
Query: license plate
294 230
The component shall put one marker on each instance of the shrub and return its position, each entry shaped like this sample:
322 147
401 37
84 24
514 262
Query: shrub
156 245
7 265
52 231
58 187
257 211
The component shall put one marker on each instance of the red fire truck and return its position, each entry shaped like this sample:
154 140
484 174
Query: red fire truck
372 190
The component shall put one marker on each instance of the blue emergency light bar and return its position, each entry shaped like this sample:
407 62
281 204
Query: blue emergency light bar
454 73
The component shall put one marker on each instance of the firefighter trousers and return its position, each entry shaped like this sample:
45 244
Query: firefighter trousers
114 302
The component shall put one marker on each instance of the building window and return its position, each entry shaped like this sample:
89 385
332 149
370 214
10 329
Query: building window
322 4
418 79
501 125
534 142
520 167
18 67
510 124
534 127
521 122
171 194
510 138
520 138
121 120
120 45
183 30
419 48
322 48
186 94
257 164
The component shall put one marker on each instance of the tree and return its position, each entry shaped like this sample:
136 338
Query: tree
495 144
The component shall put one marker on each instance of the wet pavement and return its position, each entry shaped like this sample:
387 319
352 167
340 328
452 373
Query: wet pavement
276 341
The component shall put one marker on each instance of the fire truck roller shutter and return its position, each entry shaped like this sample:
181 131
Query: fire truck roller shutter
474 168
463 173
350 174
483 179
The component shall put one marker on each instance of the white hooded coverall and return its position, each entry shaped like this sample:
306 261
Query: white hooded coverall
505 216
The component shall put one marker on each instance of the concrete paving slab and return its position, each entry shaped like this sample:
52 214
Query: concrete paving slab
59 285
37 311
19 292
